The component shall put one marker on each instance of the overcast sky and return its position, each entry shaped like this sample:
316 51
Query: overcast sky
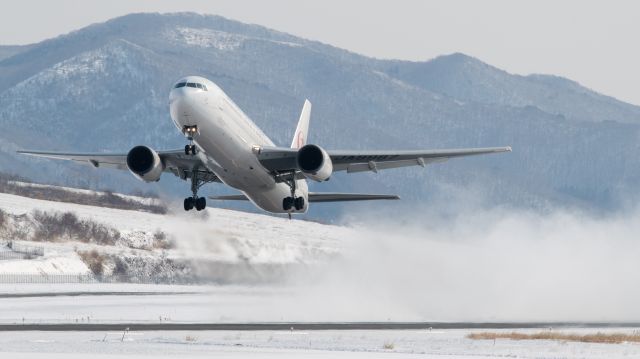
594 43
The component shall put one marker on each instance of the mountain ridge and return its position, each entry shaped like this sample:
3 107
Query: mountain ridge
565 153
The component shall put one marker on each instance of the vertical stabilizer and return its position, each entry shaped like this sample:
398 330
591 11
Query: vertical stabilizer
300 136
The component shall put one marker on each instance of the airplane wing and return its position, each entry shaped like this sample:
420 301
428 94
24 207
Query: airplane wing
175 162
278 159
321 197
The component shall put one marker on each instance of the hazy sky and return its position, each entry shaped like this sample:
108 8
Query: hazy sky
593 42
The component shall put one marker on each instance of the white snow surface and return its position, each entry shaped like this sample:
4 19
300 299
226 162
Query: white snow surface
220 40
300 344
212 235
137 199
69 263
209 38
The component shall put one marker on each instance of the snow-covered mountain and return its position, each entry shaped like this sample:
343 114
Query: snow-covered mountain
105 88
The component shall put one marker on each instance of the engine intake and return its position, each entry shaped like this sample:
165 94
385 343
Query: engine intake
145 163
314 163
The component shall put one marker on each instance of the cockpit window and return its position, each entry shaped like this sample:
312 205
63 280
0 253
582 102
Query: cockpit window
191 84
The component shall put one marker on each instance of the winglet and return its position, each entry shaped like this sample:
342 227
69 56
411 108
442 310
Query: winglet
300 136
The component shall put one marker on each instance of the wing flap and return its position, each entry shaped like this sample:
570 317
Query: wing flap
376 166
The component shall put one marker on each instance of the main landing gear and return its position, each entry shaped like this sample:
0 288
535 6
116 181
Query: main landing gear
292 202
199 203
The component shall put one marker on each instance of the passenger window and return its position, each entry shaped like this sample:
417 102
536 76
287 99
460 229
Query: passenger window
181 84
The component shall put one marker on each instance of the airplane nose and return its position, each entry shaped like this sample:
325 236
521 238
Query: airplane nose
179 105
181 97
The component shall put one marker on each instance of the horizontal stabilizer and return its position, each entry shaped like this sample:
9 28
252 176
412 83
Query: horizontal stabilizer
321 197
233 197
345 197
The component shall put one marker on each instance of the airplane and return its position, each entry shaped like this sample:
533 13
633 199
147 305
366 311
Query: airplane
225 146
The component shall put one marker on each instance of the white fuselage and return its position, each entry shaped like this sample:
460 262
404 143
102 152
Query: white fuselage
225 139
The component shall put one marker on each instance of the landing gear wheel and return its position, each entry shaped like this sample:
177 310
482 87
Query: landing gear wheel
190 150
188 203
299 203
201 203
287 203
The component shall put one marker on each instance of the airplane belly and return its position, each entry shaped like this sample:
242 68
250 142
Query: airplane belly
221 141
270 200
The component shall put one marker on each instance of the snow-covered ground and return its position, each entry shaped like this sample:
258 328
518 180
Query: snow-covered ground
214 235
53 263
134 303
140 303
138 199
245 241
299 344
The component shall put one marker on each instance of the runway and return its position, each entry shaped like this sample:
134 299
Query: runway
308 326
138 321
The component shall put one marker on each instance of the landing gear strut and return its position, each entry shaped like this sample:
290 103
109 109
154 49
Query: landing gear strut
199 203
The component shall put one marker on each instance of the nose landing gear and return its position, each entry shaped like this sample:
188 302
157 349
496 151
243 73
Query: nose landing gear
189 132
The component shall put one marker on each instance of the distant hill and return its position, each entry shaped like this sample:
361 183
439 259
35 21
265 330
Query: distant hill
105 88
11 50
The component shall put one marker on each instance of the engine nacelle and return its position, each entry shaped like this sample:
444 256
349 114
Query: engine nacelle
314 162
145 163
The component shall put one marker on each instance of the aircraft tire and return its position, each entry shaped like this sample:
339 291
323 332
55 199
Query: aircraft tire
201 203
299 203
287 203
188 203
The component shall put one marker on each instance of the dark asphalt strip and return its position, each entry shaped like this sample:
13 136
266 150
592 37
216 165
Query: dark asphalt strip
309 326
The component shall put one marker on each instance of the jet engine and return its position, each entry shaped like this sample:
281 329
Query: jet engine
314 162
145 163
